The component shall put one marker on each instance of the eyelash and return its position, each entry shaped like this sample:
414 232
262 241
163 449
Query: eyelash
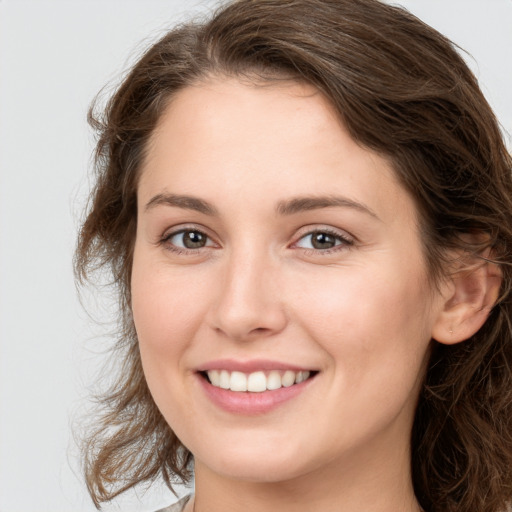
166 241
345 242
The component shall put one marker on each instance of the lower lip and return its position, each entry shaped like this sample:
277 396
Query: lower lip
248 403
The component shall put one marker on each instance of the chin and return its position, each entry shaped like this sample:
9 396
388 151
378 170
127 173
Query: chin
257 463
259 471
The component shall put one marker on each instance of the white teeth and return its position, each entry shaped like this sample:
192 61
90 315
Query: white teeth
256 382
238 381
288 379
223 379
274 380
301 377
214 377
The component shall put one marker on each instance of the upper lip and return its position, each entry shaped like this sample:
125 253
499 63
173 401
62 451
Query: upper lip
249 366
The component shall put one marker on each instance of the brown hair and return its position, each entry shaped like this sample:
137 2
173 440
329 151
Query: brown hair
402 90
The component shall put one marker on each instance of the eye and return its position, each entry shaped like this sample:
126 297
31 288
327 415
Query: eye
187 239
323 240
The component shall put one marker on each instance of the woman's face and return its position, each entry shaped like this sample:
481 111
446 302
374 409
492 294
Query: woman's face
272 248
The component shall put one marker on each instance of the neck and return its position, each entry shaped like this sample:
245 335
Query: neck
380 482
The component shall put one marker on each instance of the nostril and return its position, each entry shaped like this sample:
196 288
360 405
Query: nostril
260 330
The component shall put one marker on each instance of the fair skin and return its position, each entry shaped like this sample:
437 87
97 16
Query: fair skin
268 241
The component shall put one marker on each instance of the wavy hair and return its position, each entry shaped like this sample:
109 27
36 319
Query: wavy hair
401 89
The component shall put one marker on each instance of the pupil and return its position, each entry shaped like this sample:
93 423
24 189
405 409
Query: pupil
193 239
323 241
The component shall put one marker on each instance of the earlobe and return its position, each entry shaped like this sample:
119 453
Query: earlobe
470 296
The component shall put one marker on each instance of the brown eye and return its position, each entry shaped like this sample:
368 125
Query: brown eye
189 239
322 241
193 239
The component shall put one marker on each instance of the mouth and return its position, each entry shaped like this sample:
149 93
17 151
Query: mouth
254 387
257 381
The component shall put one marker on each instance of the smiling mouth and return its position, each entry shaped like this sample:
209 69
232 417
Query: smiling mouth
256 382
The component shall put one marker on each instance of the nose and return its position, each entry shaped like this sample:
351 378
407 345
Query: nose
249 304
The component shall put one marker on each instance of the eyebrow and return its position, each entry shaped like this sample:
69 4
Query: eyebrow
301 204
287 207
182 201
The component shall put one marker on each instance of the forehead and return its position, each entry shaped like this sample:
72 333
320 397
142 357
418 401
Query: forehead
226 113
224 139
273 99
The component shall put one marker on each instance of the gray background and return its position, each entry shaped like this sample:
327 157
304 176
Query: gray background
54 57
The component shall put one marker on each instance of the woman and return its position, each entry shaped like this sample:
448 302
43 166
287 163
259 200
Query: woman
306 207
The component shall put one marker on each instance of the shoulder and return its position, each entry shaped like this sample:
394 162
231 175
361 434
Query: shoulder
176 507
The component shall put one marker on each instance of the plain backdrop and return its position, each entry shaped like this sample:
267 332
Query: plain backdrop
55 55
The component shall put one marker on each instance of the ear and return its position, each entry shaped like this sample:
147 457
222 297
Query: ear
470 295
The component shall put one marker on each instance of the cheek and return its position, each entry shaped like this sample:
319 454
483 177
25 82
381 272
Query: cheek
372 327
166 309
164 322
166 306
